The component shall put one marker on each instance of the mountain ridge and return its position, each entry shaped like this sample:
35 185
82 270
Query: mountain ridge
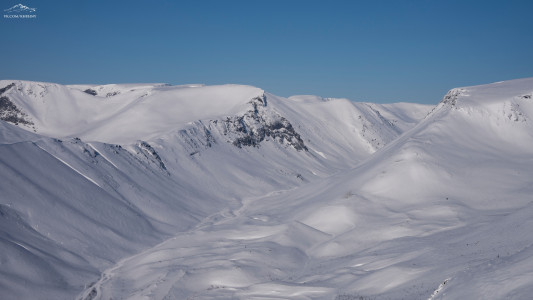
123 197
385 201
414 220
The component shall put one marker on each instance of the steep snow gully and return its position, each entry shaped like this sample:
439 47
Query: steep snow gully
152 191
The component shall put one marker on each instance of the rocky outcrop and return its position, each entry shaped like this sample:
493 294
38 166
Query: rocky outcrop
9 112
149 153
260 124
91 92
451 97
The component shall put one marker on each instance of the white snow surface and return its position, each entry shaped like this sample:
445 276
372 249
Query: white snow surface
149 191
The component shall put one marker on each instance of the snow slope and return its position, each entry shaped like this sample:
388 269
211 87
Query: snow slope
91 175
125 113
442 212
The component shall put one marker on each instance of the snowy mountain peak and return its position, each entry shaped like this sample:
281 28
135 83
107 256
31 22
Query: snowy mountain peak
489 94
451 97
241 115
497 105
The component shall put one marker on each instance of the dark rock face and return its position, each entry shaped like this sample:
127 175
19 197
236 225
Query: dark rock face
249 129
6 88
91 92
150 153
259 124
9 112
112 94
451 97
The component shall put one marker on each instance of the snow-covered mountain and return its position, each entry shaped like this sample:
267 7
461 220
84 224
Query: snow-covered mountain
93 174
228 192
197 116
442 212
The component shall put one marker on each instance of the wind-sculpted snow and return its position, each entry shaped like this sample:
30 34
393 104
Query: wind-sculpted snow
161 192
442 212
150 190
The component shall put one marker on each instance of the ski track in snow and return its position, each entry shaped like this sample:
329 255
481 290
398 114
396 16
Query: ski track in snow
103 155
68 165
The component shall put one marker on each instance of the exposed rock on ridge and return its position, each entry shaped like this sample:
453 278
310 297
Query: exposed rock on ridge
9 112
259 124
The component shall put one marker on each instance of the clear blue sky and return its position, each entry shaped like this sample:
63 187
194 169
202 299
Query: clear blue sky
374 50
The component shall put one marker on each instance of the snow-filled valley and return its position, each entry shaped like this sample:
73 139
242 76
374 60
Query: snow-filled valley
152 191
